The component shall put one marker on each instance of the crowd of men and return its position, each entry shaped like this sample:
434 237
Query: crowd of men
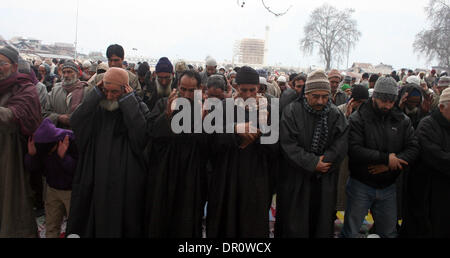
102 137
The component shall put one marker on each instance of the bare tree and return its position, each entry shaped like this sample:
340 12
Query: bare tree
434 43
269 9
334 32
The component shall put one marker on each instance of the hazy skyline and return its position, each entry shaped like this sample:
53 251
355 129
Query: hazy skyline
192 30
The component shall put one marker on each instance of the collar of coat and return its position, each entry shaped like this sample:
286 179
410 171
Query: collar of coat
367 111
440 119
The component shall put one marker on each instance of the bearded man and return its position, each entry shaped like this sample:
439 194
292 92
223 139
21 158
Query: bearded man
66 96
109 184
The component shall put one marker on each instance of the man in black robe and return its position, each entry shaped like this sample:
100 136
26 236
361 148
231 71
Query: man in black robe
108 188
313 137
241 189
177 182
429 183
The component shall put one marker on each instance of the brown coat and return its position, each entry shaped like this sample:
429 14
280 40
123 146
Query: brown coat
16 210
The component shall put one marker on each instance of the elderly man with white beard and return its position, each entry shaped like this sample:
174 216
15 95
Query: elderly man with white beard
109 184
66 96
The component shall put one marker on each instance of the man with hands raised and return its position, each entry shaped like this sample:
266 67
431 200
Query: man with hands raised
109 185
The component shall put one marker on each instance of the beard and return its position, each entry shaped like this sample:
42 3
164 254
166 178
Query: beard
6 75
381 111
109 105
318 107
412 111
163 90
69 82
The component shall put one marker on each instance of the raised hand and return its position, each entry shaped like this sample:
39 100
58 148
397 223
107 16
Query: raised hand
128 89
349 110
63 146
426 103
403 100
229 92
172 97
31 146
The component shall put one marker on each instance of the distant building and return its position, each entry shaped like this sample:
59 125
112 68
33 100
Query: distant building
34 47
440 69
64 49
384 68
251 51
362 68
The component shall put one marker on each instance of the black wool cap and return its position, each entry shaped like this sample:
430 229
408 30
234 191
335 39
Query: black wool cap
247 75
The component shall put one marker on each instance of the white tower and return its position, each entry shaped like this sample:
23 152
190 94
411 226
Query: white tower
266 45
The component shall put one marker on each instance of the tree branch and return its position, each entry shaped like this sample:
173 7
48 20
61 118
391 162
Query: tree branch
276 14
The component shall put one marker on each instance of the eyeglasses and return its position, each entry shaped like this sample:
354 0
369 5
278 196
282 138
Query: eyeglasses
3 63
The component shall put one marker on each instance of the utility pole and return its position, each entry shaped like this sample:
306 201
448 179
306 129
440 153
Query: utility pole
76 30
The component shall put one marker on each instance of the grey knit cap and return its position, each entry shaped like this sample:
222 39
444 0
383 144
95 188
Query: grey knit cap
386 85
71 65
317 80
217 81
211 62
10 53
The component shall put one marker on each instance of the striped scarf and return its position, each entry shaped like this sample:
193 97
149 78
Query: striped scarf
320 136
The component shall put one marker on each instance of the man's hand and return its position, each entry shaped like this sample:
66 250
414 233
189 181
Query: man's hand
173 96
64 119
229 92
426 103
396 163
323 167
247 137
63 146
378 169
349 110
403 101
31 146
128 89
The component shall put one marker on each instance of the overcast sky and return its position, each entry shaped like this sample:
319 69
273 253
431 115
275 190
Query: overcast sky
195 29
